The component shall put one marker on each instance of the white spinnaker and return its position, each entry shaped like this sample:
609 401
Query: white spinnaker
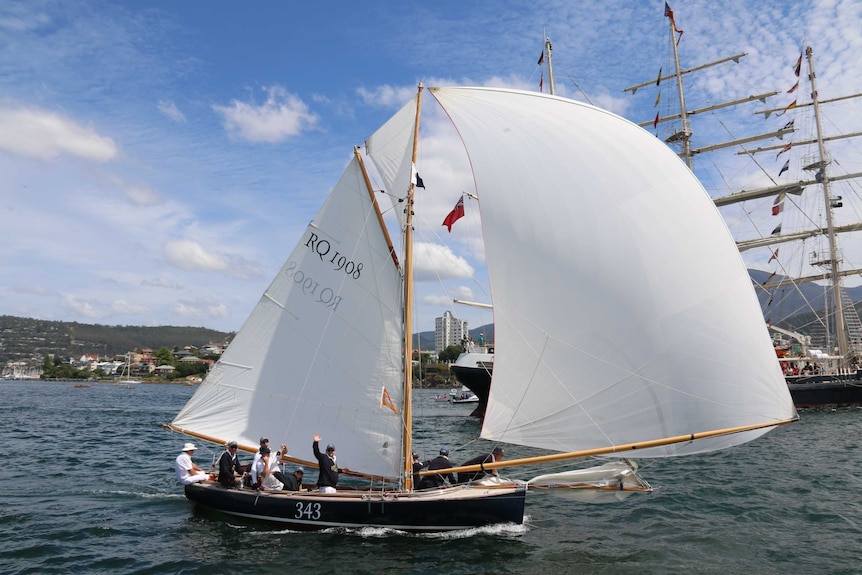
623 311
317 351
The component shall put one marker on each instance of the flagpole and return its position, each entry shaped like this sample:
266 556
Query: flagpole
683 114
551 89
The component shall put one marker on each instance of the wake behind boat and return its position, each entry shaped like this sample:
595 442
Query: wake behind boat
633 377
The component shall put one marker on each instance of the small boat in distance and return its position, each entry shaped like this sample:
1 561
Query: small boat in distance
463 396
125 378
633 378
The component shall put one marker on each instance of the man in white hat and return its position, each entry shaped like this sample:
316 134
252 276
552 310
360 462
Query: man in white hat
187 471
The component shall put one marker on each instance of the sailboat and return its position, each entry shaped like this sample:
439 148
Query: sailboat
804 246
126 375
618 369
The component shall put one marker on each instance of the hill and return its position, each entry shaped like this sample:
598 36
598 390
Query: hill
24 338
796 307
32 339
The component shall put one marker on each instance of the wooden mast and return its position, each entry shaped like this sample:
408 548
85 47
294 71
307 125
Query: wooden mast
376 205
407 435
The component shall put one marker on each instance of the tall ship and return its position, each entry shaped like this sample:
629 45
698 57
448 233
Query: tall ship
790 220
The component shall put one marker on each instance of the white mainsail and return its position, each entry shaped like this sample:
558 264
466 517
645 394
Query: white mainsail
321 349
623 311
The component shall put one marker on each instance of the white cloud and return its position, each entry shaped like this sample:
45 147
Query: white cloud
281 116
142 195
82 307
200 310
124 307
190 255
169 109
33 290
387 96
438 300
42 134
161 282
439 262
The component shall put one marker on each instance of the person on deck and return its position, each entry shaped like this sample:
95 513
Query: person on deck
294 482
495 455
439 479
329 470
262 477
187 471
273 460
417 467
228 466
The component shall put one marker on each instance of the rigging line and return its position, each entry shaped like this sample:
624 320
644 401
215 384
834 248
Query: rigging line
797 287
571 78
749 154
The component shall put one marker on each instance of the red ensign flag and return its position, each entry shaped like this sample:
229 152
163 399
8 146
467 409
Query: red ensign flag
455 214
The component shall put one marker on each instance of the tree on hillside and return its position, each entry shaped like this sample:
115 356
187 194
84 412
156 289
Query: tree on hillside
165 356
451 353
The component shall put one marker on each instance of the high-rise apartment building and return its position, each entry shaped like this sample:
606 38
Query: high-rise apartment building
449 330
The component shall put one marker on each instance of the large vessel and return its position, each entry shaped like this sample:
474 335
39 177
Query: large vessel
790 224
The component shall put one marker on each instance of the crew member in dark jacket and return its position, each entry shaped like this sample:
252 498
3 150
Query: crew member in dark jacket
228 465
328 477
417 467
294 482
465 476
439 479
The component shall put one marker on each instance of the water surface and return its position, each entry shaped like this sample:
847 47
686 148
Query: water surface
91 490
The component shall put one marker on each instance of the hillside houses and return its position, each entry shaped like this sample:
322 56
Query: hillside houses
143 362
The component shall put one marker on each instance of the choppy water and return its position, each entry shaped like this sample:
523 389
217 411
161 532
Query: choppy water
90 489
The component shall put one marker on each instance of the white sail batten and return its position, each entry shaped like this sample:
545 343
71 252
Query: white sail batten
389 149
321 346
657 331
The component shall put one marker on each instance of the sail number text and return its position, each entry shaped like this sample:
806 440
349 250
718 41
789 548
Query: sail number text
340 263
309 286
307 511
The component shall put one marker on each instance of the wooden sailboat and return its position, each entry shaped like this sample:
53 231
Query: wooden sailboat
832 317
632 377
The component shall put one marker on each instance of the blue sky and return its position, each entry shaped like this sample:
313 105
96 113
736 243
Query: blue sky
160 159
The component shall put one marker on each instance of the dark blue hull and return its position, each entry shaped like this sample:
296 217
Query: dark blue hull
477 380
806 391
444 510
825 391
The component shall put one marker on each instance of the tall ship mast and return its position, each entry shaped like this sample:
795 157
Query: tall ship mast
782 221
